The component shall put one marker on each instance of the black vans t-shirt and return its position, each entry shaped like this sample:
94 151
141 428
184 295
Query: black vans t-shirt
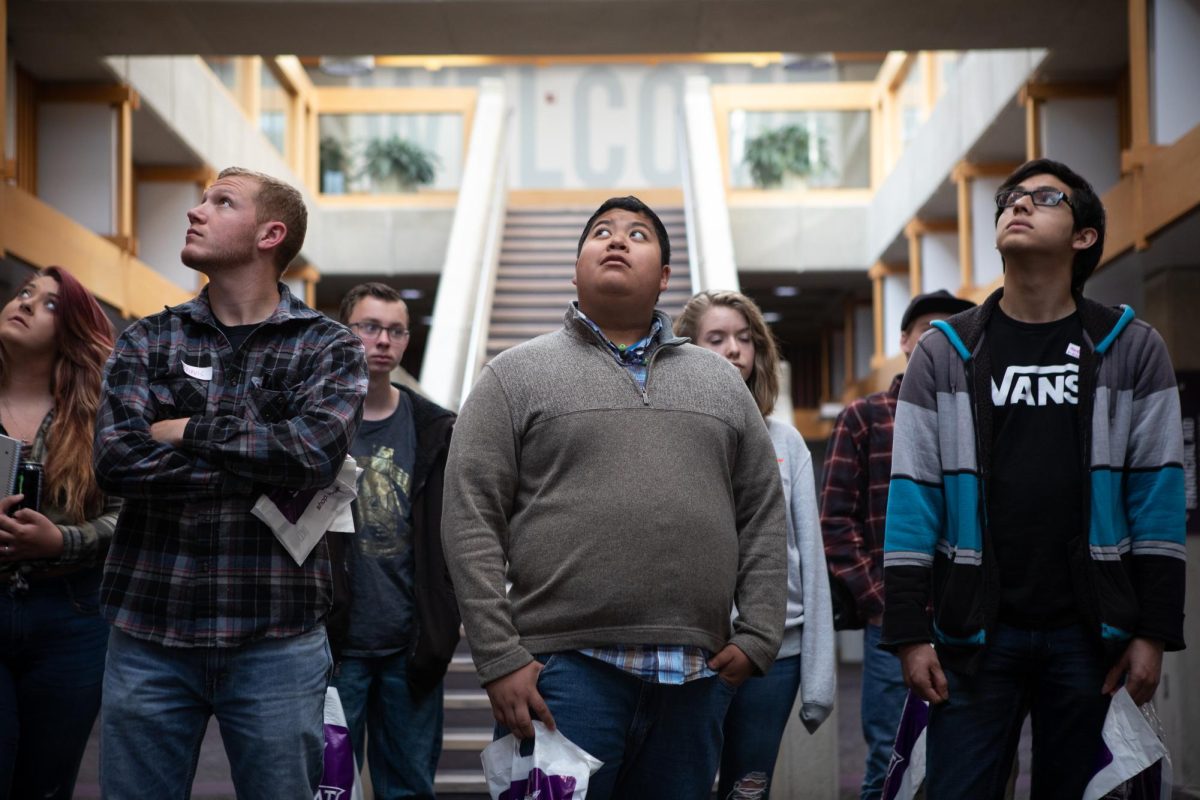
1036 491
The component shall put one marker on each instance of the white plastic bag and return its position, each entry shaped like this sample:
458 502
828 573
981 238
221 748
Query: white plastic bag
340 781
1131 746
558 769
300 518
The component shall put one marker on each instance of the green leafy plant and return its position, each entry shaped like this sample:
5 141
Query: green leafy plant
398 160
334 160
776 153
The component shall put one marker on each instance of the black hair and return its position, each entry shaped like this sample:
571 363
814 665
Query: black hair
630 203
1086 209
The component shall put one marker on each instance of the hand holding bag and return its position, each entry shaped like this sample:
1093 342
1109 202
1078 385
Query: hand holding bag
558 769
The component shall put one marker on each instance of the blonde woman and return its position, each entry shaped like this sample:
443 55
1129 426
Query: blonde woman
731 325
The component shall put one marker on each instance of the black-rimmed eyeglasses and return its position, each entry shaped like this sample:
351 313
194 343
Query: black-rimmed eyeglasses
1007 198
372 330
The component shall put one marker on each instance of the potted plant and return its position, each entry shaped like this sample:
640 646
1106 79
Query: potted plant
396 164
778 156
334 162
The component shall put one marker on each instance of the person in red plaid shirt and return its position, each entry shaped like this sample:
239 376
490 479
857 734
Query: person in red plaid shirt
858 469
205 406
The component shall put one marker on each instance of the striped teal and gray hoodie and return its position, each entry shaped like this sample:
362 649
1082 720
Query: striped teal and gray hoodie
1127 564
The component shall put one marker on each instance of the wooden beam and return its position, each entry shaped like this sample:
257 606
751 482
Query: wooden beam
112 94
1033 129
877 310
248 82
392 100
40 235
985 169
931 82
843 96
1139 74
125 227
883 269
154 173
1066 90
849 311
826 367
966 232
914 233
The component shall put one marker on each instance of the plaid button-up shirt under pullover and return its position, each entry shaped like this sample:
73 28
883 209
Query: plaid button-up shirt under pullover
858 471
189 566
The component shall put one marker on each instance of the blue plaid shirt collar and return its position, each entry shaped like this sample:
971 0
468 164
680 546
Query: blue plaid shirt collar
636 354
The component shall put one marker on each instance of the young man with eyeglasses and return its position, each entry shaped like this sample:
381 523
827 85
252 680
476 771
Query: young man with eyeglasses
1036 506
393 645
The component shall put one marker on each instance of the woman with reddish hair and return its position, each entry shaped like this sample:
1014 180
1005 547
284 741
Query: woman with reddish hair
54 341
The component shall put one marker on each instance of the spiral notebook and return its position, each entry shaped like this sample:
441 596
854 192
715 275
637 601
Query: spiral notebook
10 460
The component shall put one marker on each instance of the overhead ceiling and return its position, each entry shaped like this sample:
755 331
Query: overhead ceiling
62 39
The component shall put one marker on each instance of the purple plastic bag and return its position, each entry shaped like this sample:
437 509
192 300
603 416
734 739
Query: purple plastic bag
340 779
906 770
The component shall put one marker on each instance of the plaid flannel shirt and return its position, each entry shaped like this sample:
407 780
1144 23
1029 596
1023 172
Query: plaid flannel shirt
673 664
858 471
189 566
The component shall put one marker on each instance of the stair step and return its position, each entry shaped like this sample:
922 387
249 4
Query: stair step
460 781
527 314
466 698
467 739
560 300
528 329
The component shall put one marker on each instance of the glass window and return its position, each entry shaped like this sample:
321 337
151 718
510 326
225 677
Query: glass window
800 149
272 112
910 102
389 153
224 68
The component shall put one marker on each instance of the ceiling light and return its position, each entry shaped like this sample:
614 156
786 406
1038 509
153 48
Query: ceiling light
411 294
347 66
771 317
786 291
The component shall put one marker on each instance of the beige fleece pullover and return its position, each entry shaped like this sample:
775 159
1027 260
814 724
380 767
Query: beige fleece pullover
620 516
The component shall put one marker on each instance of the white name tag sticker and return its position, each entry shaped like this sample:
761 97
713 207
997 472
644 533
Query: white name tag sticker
199 373
1073 350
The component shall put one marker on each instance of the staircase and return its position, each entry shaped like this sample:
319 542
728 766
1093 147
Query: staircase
533 288
537 262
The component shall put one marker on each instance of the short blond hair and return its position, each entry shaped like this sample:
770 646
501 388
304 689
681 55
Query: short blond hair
277 201
764 378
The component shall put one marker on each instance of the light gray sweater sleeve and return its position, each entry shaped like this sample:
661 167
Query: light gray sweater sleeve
482 475
761 596
818 671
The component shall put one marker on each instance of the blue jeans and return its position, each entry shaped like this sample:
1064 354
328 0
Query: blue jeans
883 693
1055 676
656 740
268 696
403 726
52 642
754 728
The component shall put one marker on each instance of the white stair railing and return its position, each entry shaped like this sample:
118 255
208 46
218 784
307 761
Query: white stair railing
704 193
471 253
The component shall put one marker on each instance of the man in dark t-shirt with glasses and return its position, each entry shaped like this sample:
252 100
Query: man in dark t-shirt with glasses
1036 507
